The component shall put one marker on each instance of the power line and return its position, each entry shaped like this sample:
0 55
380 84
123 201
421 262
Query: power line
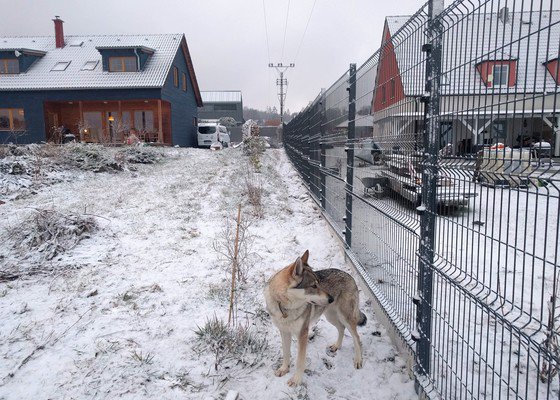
285 29
266 32
305 31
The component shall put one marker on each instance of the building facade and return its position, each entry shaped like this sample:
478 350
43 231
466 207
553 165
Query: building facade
219 104
101 89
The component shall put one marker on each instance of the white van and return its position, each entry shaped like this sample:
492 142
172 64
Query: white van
211 133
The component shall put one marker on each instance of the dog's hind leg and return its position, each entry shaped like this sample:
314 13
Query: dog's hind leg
286 350
332 317
352 327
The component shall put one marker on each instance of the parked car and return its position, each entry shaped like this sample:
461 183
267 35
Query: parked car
212 133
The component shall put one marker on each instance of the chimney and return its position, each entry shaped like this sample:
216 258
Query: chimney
58 32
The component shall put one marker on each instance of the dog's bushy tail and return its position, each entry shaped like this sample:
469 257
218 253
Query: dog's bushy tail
363 319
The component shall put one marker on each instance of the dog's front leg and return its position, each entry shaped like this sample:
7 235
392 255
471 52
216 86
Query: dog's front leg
300 361
286 348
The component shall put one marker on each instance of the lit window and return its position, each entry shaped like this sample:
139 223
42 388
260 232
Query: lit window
500 75
9 66
61 66
122 64
90 65
184 82
12 119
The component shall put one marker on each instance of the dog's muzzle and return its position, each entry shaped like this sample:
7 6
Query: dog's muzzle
331 299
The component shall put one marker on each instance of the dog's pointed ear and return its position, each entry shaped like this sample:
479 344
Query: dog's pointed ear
305 257
298 268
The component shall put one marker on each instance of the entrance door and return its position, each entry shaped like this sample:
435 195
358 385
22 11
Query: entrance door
93 121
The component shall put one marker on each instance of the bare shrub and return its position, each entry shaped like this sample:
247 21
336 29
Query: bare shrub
224 245
230 346
254 147
253 191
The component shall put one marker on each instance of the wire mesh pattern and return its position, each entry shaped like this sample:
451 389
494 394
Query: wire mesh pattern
437 162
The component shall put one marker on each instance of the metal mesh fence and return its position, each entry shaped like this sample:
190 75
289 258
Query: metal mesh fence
435 162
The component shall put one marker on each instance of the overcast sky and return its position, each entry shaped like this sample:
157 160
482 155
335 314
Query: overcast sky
228 38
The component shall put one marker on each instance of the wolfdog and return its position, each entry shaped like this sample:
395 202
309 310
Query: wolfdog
296 296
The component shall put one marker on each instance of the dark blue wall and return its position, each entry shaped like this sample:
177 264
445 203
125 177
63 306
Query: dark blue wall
32 104
183 105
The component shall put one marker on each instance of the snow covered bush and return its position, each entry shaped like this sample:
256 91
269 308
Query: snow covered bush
141 155
50 233
92 158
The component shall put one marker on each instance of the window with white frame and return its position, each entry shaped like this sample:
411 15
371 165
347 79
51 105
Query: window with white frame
500 75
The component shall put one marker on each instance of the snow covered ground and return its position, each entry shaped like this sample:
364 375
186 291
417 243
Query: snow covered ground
116 314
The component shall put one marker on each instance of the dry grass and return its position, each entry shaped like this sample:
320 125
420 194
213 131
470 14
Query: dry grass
230 345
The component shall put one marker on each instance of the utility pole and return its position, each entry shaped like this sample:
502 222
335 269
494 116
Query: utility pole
281 82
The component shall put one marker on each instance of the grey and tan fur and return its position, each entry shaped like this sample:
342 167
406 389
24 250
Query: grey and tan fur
296 296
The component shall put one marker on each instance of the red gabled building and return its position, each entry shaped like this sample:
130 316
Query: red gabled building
497 85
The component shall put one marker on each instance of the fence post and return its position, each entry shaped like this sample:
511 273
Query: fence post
428 209
307 148
323 184
350 152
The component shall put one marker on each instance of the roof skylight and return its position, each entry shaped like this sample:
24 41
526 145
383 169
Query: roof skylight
90 65
61 66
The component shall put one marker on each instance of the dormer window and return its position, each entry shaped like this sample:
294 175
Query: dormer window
9 66
124 58
498 73
18 60
122 64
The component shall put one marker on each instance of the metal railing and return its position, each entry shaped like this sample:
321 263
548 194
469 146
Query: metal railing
434 161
